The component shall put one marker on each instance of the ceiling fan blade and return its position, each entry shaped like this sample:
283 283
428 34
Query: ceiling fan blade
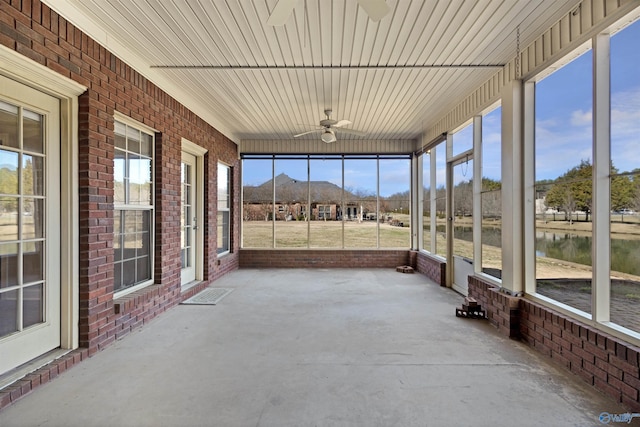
376 9
351 132
306 133
281 12
342 123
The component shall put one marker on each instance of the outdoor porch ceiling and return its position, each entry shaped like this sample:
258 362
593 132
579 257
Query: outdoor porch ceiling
392 78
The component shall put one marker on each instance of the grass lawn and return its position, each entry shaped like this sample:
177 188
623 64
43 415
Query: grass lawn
324 234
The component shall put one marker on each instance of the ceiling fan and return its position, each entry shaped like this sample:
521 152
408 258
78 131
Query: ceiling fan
328 127
376 9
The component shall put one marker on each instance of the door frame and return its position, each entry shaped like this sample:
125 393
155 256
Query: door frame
456 263
28 72
199 153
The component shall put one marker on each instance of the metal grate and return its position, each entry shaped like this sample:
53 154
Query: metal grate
209 296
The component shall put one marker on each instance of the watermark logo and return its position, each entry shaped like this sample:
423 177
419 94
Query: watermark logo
606 417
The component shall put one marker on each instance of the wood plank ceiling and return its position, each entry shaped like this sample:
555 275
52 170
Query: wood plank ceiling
318 60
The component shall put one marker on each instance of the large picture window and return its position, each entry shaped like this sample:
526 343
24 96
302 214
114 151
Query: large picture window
133 206
586 182
563 176
328 201
491 194
624 180
224 209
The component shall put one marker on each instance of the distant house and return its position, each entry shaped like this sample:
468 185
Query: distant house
328 201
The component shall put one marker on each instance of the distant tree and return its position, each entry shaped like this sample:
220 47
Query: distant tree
489 184
622 191
9 185
398 202
572 191
636 189
491 198
441 201
463 198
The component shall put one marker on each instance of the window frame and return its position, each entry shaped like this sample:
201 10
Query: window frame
599 43
226 209
342 204
128 207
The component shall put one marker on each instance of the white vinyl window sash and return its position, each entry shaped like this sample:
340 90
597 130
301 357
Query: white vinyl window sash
224 209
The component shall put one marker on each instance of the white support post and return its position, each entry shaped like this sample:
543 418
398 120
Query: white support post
512 186
477 194
601 201
417 201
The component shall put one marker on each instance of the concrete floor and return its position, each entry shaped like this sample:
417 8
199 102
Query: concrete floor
315 348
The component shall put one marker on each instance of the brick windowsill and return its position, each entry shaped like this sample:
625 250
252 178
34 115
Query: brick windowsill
130 301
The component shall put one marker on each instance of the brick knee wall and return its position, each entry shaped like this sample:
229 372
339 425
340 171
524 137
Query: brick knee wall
607 363
323 258
502 309
433 268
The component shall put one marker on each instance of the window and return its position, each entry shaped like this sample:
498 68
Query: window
325 187
133 206
440 208
462 192
426 201
292 192
491 196
23 215
328 201
586 182
394 185
224 209
563 159
360 197
324 212
624 182
257 204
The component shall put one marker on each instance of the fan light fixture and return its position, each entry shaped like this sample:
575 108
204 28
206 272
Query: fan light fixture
328 136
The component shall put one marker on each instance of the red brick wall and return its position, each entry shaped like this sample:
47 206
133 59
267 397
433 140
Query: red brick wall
322 258
601 360
502 309
433 268
32 29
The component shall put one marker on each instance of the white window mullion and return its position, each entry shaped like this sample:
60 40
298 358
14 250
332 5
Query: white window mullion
601 250
477 194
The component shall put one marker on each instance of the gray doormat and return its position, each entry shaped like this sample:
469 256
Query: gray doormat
209 296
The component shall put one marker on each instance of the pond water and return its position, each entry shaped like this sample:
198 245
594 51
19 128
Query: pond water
625 253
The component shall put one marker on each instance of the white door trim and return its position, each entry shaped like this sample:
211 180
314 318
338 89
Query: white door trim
37 76
199 153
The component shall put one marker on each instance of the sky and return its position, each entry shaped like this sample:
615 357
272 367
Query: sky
564 109
563 129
